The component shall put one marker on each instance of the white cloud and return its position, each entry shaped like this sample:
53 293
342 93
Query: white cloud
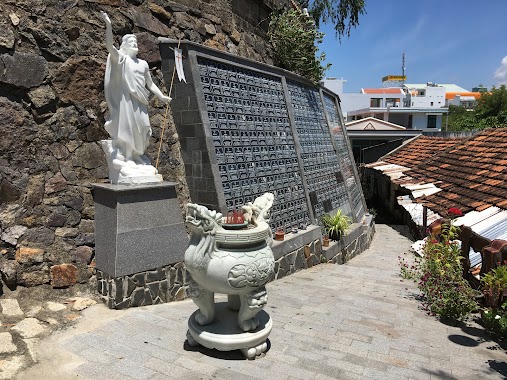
501 72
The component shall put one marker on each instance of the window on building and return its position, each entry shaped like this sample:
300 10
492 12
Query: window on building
392 102
409 122
432 121
376 102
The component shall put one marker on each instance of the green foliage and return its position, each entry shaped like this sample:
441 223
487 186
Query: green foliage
409 268
494 284
295 39
335 225
344 14
495 321
490 112
439 276
460 119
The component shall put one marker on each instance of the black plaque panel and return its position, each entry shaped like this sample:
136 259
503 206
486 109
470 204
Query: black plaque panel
253 141
344 155
320 161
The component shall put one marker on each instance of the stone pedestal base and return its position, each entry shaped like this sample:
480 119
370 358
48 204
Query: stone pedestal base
139 238
224 333
137 228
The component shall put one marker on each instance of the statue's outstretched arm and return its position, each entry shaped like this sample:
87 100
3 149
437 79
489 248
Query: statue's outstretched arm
109 36
153 87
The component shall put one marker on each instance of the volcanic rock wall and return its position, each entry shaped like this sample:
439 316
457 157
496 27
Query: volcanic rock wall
52 111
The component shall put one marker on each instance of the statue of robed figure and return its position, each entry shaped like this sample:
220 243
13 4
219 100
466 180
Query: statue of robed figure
127 87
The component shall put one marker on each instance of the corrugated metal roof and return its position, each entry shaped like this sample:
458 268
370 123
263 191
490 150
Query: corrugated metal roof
416 210
497 231
474 217
492 223
420 190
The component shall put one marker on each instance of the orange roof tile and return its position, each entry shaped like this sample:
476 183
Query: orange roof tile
471 172
382 91
452 95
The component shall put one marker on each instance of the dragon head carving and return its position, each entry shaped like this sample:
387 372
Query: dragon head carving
202 224
201 220
260 209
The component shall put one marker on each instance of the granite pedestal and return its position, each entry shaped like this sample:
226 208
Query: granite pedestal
139 235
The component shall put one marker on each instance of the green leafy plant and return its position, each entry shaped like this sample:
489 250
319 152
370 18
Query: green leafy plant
495 321
409 267
343 14
335 225
295 39
439 274
490 112
494 284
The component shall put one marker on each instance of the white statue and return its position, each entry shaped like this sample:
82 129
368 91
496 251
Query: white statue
127 85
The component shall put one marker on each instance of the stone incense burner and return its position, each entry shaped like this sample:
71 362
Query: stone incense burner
234 262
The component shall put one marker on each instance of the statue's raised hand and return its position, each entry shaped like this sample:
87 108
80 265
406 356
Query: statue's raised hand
165 99
105 17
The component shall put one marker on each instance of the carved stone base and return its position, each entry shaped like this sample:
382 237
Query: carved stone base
224 334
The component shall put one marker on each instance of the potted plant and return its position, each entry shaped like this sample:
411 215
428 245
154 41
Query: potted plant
325 240
494 284
280 233
335 225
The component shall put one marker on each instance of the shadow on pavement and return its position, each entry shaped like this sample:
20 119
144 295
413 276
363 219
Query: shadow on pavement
440 374
500 367
224 355
463 340
402 230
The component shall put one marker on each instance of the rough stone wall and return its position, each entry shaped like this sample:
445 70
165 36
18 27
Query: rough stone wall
170 283
52 111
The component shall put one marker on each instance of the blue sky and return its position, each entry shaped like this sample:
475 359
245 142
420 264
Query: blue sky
445 41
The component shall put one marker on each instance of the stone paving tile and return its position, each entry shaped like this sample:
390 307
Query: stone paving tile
100 371
6 344
132 369
343 376
372 373
96 356
227 374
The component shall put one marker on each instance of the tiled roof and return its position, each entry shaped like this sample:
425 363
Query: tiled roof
420 149
395 90
452 95
472 172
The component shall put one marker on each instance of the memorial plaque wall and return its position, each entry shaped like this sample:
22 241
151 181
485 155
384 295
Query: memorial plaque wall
246 128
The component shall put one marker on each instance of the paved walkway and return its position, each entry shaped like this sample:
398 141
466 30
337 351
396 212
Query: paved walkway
354 321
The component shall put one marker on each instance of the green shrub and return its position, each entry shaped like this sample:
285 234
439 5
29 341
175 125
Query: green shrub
295 39
495 321
439 276
494 284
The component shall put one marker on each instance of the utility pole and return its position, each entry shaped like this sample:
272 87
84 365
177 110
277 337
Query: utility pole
403 68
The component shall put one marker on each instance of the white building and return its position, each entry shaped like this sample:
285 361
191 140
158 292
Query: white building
411 106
